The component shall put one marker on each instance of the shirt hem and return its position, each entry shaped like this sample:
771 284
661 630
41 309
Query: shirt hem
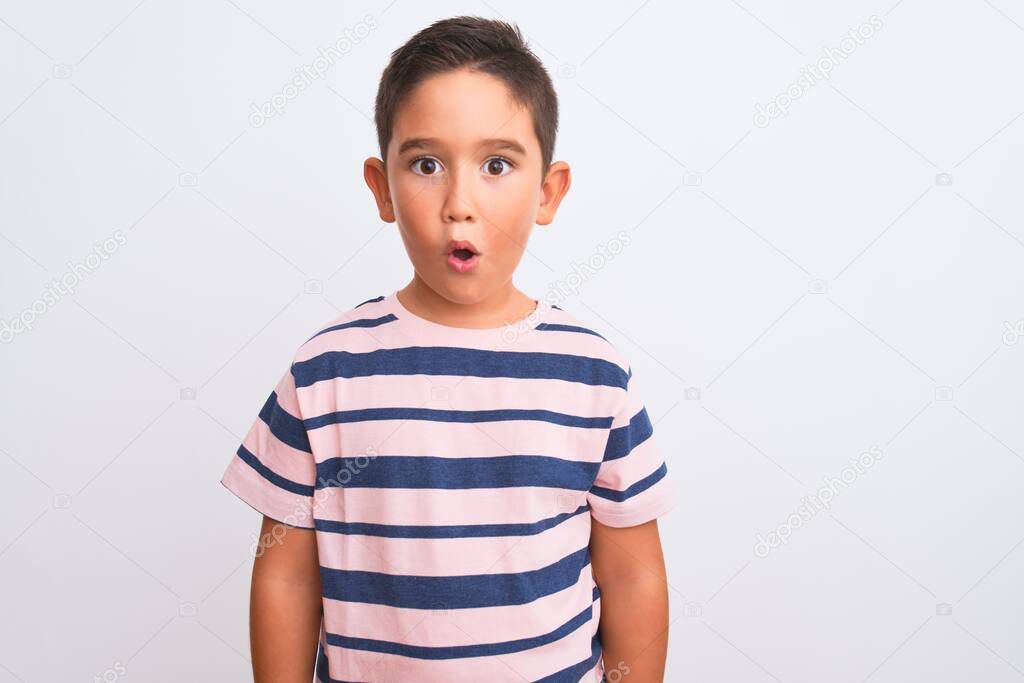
651 510
262 501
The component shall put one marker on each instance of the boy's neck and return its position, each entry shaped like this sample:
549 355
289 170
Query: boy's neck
506 305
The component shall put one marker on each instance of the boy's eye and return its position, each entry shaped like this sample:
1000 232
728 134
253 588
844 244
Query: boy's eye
493 166
428 166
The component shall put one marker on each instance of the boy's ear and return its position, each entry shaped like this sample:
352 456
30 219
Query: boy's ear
556 184
377 180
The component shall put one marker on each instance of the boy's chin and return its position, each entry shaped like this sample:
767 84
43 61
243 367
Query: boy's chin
464 289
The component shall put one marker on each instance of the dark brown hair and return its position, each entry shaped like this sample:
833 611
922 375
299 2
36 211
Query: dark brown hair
486 45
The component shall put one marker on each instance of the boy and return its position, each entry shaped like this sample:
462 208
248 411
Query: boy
458 482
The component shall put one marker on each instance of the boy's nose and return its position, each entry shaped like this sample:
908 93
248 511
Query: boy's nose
457 209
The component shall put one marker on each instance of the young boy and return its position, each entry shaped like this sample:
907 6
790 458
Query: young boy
458 481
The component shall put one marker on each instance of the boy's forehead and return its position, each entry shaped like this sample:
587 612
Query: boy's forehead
463 110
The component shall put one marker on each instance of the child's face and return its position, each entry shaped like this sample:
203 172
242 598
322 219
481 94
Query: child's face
464 163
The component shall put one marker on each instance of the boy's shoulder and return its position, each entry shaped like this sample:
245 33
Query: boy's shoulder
585 338
366 314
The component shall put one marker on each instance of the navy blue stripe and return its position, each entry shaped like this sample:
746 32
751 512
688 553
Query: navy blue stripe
597 593
455 361
435 472
575 672
461 651
642 485
446 531
439 415
560 327
359 322
556 307
272 476
370 301
283 425
453 592
622 440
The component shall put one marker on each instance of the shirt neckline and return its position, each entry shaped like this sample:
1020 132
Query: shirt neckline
504 334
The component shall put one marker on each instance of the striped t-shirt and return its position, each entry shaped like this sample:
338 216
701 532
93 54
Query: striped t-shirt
451 475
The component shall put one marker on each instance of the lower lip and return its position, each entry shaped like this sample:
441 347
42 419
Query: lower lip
460 266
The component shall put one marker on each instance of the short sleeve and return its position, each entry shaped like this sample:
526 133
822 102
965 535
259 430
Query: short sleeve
274 470
632 484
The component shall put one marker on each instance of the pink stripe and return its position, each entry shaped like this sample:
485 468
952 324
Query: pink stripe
269 499
621 473
289 462
453 556
458 393
457 439
628 408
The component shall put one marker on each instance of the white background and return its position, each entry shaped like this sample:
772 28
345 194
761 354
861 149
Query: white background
811 282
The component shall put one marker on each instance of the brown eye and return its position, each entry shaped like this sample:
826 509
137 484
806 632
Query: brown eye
497 166
427 166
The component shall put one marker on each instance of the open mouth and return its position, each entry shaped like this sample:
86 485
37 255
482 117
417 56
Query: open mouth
462 256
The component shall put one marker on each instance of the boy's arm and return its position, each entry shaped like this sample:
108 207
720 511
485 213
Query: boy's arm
629 569
285 605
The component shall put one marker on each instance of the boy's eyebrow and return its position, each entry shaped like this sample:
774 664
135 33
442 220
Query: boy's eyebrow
503 143
426 143
417 143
